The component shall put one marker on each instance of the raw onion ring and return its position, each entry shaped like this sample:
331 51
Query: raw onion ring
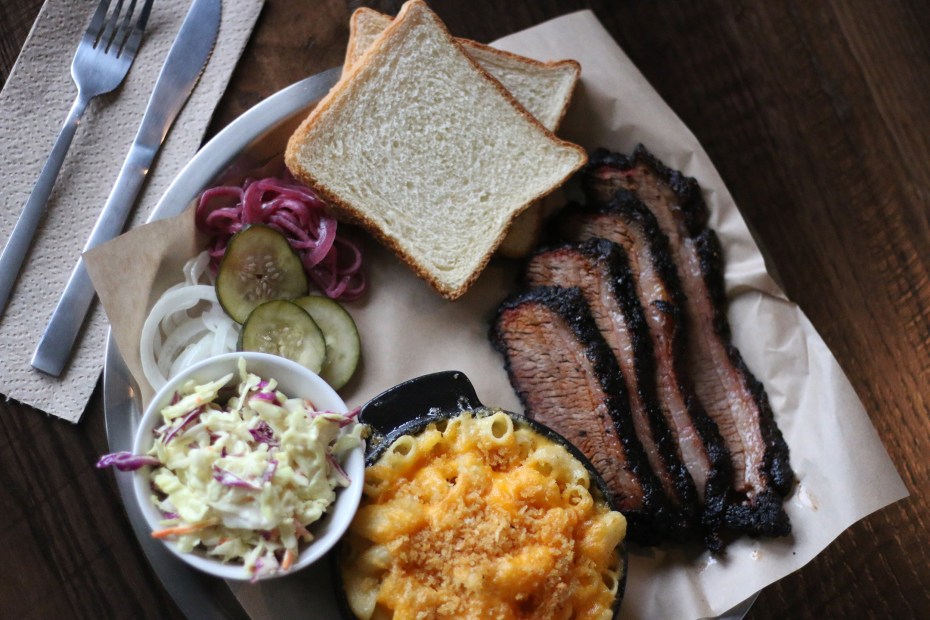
172 339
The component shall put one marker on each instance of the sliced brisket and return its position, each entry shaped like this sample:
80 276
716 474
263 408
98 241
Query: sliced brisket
599 268
568 379
627 222
729 393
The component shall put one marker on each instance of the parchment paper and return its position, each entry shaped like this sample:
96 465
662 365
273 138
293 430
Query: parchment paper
33 105
843 470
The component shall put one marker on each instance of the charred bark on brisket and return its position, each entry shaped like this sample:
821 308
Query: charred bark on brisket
568 379
628 223
599 268
729 392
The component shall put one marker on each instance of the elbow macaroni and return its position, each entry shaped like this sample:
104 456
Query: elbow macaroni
476 518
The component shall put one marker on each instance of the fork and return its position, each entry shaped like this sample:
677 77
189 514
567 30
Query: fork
102 60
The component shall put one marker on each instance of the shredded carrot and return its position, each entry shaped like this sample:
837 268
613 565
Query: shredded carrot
288 561
180 530
301 531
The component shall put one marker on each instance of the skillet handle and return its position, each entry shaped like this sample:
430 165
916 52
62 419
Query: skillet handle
442 392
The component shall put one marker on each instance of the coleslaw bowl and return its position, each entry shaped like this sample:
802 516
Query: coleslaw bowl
296 382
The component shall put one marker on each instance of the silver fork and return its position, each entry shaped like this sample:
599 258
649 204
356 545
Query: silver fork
102 60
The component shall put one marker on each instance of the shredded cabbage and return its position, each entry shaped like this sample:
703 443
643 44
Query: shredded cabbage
125 461
242 477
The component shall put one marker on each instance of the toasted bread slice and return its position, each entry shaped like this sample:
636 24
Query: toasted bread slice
432 155
544 88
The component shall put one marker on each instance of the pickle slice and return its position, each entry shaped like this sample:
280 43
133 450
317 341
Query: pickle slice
343 347
283 328
259 265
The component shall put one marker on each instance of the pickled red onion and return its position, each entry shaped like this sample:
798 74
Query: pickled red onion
332 261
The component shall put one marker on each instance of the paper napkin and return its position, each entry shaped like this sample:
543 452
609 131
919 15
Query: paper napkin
33 105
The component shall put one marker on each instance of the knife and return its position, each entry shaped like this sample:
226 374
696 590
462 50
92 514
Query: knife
185 62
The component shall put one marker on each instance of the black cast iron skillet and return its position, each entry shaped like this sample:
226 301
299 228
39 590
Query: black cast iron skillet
407 409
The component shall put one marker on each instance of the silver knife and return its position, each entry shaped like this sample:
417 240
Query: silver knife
185 62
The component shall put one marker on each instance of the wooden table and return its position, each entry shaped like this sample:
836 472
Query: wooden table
817 114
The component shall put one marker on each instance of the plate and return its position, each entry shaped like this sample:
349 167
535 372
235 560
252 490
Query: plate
257 135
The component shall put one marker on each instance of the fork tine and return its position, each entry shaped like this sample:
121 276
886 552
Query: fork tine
119 39
110 29
96 22
144 16
132 44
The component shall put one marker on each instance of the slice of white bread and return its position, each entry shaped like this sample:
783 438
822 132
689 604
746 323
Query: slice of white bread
433 156
543 88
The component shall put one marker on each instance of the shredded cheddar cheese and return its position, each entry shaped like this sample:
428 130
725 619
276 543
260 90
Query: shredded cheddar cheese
473 518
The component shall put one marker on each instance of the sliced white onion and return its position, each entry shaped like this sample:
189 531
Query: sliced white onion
191 354
196 268
179 339
172 339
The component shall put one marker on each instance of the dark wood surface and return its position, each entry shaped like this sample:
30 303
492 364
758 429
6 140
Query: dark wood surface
817 114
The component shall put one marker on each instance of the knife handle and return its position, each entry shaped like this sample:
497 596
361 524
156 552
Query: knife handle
58 338
54 348
17 246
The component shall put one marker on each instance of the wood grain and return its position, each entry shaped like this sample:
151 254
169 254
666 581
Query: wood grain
15 21
815 114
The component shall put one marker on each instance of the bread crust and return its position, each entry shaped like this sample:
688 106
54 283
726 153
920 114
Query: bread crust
352 47
523 234
414 8
547 64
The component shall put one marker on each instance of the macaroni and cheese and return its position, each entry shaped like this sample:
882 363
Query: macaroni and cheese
481 517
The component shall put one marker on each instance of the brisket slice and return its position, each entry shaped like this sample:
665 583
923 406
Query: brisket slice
567 378
599 268
628 223
729 393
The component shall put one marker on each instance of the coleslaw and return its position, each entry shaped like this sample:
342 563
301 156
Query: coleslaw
241 476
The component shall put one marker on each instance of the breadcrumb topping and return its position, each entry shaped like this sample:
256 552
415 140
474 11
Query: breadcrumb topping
477 519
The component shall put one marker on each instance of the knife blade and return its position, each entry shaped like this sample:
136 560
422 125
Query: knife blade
185 62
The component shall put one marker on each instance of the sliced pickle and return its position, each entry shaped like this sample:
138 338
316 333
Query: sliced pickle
259 265
341 335
283 328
